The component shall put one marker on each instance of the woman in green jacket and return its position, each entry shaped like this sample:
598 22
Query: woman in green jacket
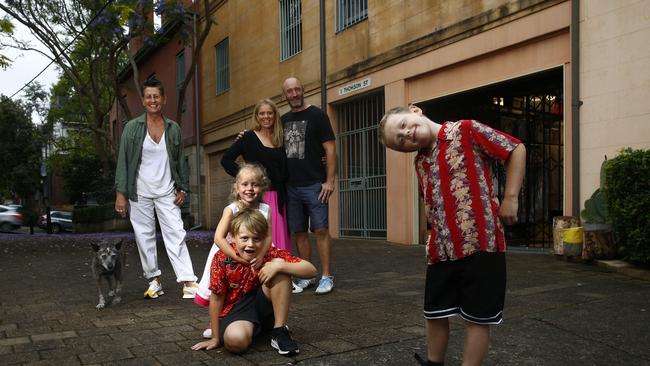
151 175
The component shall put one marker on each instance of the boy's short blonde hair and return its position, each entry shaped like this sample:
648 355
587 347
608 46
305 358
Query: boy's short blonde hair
253 220
381 129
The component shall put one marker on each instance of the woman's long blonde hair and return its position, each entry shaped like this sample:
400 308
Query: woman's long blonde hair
277 137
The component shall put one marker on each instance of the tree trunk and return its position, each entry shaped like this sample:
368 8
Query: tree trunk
198 43
598 244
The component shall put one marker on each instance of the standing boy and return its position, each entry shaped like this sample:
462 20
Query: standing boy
308 136
245 301
466 271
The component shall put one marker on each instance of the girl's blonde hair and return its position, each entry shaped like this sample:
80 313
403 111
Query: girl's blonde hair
277 137
260 175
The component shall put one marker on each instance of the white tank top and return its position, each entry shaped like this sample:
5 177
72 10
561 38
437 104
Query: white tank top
154 175
263 208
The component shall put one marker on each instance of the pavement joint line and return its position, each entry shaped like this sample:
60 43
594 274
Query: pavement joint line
359 348
14 341
533 290
53 336
11 326
584 337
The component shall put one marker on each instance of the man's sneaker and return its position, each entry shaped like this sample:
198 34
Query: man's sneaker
282 341
325 285
296 289
154 290
306 282
190 291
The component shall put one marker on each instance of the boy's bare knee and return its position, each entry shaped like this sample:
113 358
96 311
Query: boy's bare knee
475 327
236 344
235 348
236 341
279 278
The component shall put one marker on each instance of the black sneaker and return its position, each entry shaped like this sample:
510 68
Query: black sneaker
282 341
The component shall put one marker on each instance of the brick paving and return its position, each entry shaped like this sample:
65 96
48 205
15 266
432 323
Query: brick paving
557 313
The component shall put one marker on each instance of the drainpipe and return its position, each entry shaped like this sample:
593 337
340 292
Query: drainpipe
323 59
575 105
197 136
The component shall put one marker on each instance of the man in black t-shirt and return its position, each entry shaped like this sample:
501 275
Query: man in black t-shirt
308 136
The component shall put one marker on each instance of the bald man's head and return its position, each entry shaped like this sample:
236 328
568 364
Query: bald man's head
294 93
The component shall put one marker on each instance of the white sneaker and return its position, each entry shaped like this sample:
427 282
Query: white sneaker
190 291
154 290
305 282
207 333
325 285
296 289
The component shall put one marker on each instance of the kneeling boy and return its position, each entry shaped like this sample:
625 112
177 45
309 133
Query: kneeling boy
245 301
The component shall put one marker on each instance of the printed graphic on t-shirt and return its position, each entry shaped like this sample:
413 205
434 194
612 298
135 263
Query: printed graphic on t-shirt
294 139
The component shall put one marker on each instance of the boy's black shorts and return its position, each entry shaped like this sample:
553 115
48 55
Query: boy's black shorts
473 287
254 307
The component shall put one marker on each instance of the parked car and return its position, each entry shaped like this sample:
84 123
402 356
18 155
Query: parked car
10 218
60 221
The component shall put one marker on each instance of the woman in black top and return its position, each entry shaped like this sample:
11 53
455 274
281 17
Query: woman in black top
264 145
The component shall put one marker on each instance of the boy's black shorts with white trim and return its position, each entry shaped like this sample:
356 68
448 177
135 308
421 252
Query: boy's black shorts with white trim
254 307
473 287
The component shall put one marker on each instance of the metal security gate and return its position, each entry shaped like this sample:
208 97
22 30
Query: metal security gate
361 168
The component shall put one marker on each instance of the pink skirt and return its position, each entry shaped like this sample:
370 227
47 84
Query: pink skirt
281 238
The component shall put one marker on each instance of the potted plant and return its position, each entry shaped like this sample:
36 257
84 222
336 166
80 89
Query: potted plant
598 242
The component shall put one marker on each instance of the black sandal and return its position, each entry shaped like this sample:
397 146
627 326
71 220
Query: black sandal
423 362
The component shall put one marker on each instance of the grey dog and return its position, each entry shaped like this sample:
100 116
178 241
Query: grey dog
107 267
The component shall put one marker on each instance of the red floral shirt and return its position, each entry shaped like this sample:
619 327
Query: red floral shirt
234 279
455 180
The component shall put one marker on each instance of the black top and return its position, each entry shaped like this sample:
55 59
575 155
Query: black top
304 134
252 150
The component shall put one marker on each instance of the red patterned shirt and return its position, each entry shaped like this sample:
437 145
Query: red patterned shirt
234 279
455 180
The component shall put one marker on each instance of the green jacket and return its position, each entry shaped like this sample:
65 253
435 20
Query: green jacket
128 160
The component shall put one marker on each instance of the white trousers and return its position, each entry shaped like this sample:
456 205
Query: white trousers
171 225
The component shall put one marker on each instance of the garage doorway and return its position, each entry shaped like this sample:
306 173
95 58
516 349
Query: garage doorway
529 108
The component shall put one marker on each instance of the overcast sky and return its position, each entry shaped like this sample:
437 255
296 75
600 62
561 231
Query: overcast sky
24 67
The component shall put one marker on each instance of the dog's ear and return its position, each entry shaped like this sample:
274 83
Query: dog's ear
95 246
118 245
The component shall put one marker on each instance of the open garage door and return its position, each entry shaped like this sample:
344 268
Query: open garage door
531 109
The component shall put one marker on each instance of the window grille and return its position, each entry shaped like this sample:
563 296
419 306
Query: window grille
350 12
290 28
223 66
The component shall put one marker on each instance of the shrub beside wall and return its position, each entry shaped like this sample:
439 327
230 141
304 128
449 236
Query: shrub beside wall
94 214
628 200
99 218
